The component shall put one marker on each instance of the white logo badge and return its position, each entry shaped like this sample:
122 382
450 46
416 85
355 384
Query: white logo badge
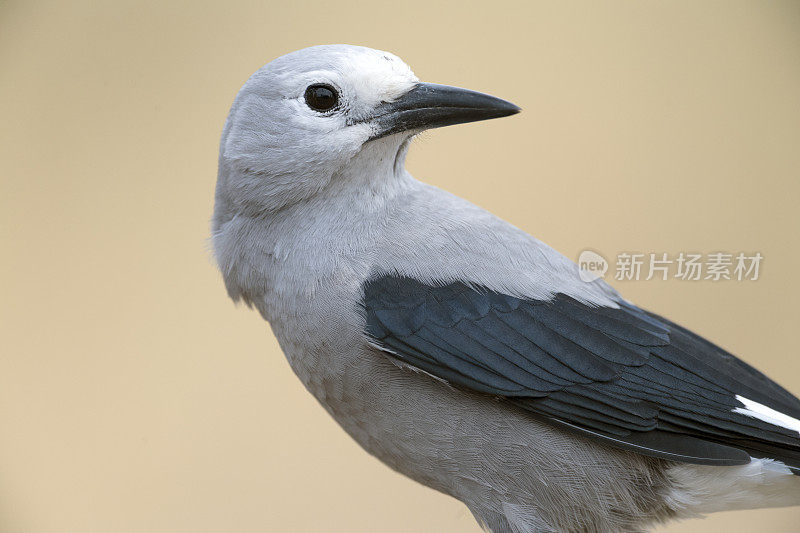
591 266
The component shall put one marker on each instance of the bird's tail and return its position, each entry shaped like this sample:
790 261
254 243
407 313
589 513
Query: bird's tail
707 489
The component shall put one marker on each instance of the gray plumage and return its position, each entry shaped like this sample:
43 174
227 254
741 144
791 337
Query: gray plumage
312 205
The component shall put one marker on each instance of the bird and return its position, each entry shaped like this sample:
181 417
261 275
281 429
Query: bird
458 349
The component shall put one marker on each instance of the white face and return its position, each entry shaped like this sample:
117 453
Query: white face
302 118
284 140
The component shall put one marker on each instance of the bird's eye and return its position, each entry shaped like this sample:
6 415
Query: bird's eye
321 97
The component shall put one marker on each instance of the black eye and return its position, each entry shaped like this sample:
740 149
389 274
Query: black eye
321 97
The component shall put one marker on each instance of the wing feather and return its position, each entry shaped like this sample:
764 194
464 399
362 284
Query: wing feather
622 375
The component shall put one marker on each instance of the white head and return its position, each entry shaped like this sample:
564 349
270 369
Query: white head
299 120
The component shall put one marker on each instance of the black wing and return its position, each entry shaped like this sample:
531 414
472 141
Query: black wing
628 377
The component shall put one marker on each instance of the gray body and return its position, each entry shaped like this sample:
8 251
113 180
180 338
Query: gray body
302 260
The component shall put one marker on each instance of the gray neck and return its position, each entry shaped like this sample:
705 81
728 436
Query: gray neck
281 250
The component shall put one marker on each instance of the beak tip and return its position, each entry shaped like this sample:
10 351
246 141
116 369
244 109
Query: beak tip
511 106
506 109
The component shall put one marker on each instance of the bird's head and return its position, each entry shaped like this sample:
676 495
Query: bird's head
302 119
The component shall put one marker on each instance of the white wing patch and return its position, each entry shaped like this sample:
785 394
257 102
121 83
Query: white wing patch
767 414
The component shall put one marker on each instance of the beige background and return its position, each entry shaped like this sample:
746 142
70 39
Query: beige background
134 396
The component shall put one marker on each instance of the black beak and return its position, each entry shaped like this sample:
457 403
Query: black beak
429 105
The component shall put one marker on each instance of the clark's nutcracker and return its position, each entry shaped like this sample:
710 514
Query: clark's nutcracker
456 348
